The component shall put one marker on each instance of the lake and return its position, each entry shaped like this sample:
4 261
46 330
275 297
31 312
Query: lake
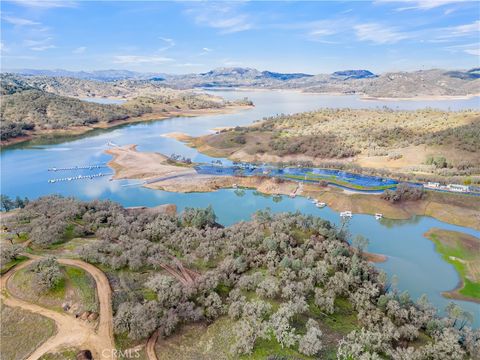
410 256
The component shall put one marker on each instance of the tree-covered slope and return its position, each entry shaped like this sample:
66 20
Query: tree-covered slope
283 285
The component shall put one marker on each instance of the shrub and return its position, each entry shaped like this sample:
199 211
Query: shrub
47 274
404 192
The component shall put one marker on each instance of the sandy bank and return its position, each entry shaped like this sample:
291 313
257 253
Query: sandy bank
178 136
208 183
128 163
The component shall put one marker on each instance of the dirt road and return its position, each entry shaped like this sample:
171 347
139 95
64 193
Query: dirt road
150 346
72 332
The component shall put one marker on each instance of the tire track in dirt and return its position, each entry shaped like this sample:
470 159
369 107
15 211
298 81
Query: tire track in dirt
71 332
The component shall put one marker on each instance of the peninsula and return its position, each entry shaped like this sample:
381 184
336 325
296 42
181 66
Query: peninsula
158 171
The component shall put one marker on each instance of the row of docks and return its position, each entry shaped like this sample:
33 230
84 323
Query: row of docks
78 177
85 167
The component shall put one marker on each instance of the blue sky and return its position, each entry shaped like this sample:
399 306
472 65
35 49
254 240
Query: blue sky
288 36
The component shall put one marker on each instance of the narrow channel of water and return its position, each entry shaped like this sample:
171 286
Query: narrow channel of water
411 257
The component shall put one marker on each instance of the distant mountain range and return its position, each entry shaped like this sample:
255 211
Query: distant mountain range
219 73
435 82
99 75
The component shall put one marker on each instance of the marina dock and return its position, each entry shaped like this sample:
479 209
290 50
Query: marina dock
79 177
73 168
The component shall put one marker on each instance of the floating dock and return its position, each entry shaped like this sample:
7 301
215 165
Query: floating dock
73 168
78 177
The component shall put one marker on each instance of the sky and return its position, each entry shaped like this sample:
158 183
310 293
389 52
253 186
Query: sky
288 36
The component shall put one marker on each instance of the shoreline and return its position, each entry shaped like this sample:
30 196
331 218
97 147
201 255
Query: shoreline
422 97
156 116
462 251
200 143
361 96
449 208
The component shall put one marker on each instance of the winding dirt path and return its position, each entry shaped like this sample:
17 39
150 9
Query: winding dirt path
150 346
71 332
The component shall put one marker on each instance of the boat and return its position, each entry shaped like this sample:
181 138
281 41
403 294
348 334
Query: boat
346 214
235 186
321 204
378 216
292 195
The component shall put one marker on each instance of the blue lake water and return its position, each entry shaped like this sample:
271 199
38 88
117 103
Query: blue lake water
103 100
410 256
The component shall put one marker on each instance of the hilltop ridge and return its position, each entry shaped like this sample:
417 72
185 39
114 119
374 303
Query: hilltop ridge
400 84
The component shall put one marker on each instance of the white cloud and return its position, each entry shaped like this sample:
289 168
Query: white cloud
379 34
226 17
470 49
452 33
322 32
188 65
231 24
39 44
421 4
19 21
466 29
42 47
79 50
140 59
204 51
45 4
169 44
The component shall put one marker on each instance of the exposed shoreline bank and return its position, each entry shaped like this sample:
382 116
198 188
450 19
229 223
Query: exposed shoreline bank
356 165
361 96
156 173
463 252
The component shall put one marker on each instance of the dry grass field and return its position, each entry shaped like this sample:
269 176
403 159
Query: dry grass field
22 332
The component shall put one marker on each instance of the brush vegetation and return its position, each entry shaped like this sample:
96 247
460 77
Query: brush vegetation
284 285
444 143
31 105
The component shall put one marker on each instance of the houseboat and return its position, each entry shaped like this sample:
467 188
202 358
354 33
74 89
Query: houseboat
458 188
432 185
